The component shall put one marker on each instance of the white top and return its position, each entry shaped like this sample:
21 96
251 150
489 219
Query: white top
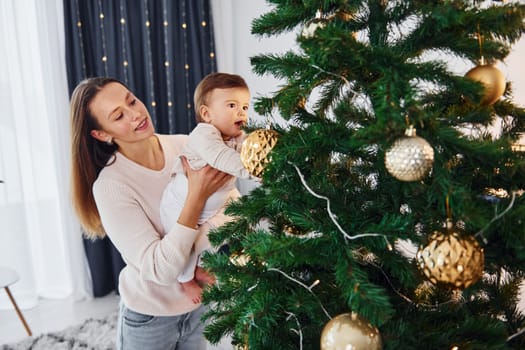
174 197
206 146
128 199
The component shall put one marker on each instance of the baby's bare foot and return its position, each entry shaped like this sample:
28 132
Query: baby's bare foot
192 291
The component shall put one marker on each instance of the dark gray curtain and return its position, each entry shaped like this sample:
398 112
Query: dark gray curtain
161 49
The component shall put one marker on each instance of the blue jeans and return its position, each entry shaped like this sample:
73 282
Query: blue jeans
136 331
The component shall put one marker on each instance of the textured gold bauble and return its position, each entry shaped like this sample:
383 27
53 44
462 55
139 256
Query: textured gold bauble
256 148
350 331
410 158
451 260
492 79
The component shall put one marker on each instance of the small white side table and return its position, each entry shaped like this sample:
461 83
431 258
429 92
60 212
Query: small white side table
8 277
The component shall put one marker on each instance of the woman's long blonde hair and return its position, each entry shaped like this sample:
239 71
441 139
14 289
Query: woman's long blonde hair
88 155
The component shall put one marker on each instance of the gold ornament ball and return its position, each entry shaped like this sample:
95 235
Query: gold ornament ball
256 148
492 79
410 158
350 331
451 260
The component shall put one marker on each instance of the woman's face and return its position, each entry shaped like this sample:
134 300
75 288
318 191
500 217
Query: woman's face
122 117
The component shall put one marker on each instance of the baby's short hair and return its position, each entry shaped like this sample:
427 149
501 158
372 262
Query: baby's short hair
211 82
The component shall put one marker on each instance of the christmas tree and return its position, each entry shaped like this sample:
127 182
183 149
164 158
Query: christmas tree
390 214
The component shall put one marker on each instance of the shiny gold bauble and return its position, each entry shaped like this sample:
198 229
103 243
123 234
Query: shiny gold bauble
492 79
451 260
410 158
350 331
256 148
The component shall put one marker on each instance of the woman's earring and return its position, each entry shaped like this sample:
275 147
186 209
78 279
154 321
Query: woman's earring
109 141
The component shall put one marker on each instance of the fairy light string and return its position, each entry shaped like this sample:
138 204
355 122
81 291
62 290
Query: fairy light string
332 215
517 334
497 217
309 289
348 236
298 330
353 237
371 263
333 74
401 295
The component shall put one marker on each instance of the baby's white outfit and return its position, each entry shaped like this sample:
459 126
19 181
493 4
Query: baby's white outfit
205 146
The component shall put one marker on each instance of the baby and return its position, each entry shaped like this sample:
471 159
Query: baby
221 107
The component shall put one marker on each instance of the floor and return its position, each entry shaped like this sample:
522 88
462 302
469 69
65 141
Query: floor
53 315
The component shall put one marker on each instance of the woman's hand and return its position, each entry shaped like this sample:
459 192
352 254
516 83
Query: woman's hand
202 183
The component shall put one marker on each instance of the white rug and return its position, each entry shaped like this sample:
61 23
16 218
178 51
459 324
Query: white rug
93 334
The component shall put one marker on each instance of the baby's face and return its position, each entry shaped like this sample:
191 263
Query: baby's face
227 110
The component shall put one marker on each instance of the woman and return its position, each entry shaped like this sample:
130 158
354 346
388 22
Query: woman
120 168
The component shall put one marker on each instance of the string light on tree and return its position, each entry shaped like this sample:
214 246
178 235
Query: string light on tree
334 230
350 331
255 150
410 158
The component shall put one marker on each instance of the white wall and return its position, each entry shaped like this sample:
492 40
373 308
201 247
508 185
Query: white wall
514 69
